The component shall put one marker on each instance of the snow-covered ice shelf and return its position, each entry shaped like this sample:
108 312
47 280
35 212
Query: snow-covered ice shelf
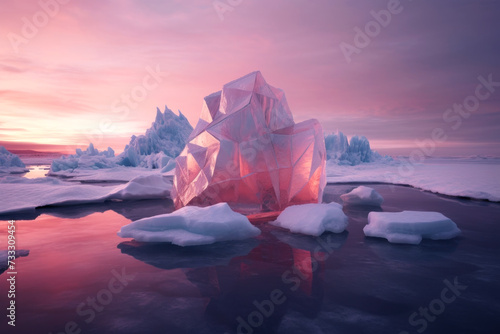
21 194
479 180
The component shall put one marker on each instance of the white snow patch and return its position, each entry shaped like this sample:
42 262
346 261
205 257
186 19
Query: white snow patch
20 194
191 226
362 196
409 227
313 219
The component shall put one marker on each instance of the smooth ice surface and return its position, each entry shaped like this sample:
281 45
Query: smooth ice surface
191 226
10 163
357 151
246 150
409 227
474 178
313 219
21 194
362 195
115 174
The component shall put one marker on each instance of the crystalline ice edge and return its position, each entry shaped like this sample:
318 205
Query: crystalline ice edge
246 150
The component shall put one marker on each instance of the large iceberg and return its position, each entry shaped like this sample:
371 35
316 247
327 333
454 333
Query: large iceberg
409 227
10 163
247 150
191 225
354 152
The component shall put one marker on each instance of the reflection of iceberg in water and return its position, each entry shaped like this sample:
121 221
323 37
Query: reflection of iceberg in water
310 243
232 277
4 257
168 256
132 210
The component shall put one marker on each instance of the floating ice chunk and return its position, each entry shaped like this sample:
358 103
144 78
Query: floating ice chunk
10 163
362 196
191 226
409 227
313 219
246 150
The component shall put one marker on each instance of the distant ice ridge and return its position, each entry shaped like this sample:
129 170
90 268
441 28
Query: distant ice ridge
91 158
156 149
163 142
10 163
340 151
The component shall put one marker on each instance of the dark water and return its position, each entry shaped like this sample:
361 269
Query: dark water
81 278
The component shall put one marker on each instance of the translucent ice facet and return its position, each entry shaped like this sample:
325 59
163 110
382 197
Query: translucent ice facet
246 150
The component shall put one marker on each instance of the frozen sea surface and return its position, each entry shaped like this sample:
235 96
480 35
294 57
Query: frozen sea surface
337 283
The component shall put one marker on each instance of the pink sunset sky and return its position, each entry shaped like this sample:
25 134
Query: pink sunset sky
62 84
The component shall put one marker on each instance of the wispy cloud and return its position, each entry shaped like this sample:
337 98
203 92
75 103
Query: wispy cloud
92 52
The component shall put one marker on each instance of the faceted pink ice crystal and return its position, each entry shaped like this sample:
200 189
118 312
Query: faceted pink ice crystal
246 150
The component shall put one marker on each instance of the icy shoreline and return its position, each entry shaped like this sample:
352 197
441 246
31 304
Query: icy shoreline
474 180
